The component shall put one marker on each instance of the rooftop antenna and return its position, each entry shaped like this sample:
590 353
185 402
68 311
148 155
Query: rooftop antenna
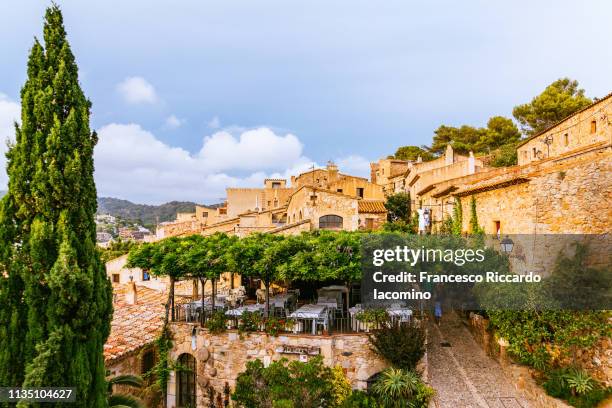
313 169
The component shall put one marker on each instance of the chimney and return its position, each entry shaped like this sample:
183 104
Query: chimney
471 163
449 155
332 171
131 296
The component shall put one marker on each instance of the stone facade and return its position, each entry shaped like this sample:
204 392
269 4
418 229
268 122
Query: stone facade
221 357
585 127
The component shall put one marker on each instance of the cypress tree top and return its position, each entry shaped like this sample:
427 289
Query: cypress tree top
58 298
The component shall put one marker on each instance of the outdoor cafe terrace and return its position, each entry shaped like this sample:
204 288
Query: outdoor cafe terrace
328 312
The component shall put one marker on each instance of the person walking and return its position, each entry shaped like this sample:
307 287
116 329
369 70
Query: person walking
438 312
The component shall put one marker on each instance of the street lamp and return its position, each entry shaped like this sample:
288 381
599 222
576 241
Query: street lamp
507 245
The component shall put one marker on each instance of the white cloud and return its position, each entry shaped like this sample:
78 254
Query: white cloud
9 113
173 122
354 165
214 123
137 90
132 163
254 149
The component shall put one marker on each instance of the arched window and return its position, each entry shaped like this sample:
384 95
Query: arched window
330 222
300 215
186 381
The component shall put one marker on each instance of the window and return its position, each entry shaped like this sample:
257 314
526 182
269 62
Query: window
222 211
566 139
330 222
593 126
276 184
145 275
269 203
205 214
300 215
116 278
186 381
148 361
339 190
360 191
535 153
497 227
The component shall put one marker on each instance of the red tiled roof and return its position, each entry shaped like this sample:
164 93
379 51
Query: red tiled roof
134 326
372 206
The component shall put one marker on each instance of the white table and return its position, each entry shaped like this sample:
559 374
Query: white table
402 313
316 313
257 307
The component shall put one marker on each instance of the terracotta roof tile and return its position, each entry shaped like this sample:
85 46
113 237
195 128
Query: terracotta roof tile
134 326
372 206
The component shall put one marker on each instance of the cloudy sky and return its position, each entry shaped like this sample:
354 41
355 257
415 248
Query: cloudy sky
192 96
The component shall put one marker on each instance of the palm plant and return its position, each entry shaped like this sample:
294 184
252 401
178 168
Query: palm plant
396 387
120 400
579 382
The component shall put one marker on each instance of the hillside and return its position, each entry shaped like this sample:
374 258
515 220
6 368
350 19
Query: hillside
146 214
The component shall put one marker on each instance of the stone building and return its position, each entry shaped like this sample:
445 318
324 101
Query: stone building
388 173
319 198
586 127
120 275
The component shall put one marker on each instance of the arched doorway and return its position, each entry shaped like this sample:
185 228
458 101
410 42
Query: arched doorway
186 381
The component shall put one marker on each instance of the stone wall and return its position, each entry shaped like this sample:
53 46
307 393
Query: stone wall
570 196
586 127
521 376
597 361
221 357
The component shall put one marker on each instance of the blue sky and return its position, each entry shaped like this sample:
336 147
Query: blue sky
192 96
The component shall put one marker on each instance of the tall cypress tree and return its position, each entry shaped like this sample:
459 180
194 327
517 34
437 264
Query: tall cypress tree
55 297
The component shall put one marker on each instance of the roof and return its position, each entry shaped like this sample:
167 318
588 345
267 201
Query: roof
491 186
134 326
444 192
426 189
563 120
372 206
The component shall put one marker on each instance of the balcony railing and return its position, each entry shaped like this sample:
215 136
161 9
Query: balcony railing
279 323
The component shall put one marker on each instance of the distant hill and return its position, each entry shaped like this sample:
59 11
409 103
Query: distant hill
145 214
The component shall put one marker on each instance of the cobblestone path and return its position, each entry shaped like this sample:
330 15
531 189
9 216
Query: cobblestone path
462 374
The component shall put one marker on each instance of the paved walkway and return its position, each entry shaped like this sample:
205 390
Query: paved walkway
462 374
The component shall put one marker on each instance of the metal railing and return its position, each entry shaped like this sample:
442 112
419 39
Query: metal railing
278 322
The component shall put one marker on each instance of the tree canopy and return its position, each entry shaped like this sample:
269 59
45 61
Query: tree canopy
398 207
500 131
55 296
559 100
412 153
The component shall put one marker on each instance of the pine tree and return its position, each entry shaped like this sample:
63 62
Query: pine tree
53 288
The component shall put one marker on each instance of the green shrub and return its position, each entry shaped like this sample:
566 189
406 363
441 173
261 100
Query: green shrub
361 399
216 322
249 322
576 387
401 345
397 388
373 316
273 325
285 384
